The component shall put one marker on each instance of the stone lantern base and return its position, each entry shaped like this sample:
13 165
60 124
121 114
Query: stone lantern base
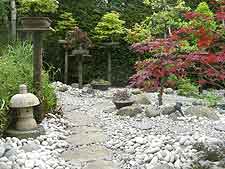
24 134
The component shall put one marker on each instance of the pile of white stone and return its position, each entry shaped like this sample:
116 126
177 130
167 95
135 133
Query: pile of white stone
40 153
141 142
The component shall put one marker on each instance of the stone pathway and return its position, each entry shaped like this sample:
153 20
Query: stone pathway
86 150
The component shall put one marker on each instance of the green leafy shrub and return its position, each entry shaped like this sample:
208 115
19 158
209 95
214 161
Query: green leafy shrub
210 23
139 33
65 23
110 28
187 88
3 8
204 9
16 68
37 7
211 98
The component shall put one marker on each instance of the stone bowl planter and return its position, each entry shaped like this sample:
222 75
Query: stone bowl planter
99 86
35 22
123 103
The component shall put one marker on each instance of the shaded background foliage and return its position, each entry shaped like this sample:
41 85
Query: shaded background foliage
87 14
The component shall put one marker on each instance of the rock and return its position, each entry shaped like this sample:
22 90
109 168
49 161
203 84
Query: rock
140 140
4 166
12 151
30 147
163 166
167 110
63 88
2 150
136 91
182 140
3 159
87 90
210 152
144 125
141 99
44 143
198 102
151 111
154 160
129 111
75 85
202 111
169 147
178 164
220 127
153 150
168 91
29 164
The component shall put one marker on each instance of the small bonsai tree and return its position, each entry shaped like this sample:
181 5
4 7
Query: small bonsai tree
121 95
65 23
37 7
78 39
110 28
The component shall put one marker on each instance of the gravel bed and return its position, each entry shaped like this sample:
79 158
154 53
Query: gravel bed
141 142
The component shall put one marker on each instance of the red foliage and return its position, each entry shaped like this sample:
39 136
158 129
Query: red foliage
220 15
195 15
208 63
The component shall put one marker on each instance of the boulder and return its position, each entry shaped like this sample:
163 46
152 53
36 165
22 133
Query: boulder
129 111
2 150
141 99
167 110
152 111
210 154
202 111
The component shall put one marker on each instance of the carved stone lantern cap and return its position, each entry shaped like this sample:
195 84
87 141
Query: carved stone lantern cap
24 99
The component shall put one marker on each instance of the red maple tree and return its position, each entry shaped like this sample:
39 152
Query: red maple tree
207 63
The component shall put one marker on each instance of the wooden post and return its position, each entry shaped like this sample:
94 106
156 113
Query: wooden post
80 71
109 76
66 67
37 63
13 19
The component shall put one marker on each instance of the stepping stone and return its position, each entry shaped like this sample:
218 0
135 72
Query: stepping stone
85 138
87 154
79 119
101 164
85 129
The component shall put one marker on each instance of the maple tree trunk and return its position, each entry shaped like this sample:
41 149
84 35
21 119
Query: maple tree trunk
80 72
169 30
162 83
109 76
66 67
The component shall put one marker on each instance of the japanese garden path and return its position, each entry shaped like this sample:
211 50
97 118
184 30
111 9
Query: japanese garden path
86 150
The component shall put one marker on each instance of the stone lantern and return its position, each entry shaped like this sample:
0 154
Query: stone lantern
23 104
